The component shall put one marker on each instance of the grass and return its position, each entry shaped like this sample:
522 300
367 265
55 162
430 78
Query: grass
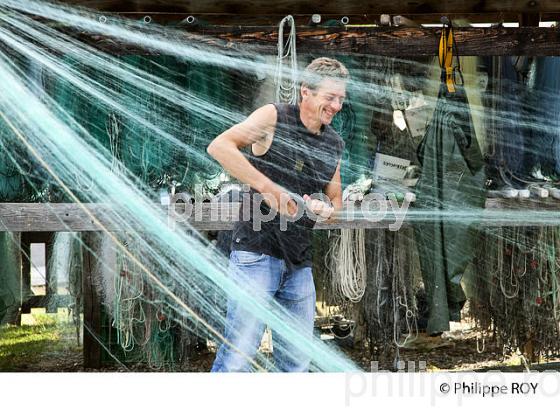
43 342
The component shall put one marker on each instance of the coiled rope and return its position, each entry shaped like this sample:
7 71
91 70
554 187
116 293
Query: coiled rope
348 264
286 85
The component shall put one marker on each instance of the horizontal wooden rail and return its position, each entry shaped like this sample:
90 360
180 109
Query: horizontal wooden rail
386 41
42 301
71 217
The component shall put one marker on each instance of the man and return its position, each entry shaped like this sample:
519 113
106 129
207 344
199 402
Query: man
293 151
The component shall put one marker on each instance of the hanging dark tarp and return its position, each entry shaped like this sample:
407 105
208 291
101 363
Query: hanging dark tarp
453 180
145 153
544 110
21 179
10 277
507 92
83 114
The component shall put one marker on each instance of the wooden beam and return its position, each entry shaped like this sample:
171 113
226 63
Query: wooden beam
12 281
220 216
341 7
27 293
42 301
401 42
91 302
46 217
185 20
51 283
304 20
408 41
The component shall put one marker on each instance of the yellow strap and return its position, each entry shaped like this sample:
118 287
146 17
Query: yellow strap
446 57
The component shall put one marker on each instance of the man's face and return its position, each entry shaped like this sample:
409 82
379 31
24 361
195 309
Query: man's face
326 100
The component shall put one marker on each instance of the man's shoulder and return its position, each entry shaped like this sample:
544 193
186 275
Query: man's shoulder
278 110
284 107
263 116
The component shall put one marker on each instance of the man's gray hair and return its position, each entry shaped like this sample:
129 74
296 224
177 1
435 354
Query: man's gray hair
322 68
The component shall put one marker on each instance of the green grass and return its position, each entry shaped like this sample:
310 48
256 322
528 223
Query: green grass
42 342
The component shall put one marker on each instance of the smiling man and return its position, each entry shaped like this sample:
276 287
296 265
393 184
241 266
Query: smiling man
294 150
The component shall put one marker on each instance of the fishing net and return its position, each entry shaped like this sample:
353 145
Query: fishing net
130 129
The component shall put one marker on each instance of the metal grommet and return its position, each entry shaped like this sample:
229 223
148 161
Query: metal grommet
191 19
102 19
345 20
147 19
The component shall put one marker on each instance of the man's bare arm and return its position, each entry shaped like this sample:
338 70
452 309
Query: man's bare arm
334 189
226 147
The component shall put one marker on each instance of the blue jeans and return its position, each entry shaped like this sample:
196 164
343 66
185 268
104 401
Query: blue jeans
266 277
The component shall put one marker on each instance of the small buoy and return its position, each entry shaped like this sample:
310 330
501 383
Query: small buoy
538 301
385 20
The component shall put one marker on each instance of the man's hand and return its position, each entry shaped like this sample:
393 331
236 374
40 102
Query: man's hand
280 200
318 207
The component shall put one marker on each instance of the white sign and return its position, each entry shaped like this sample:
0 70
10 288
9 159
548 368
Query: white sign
390 168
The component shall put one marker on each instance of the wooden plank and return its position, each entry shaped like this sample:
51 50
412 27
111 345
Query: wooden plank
51 280
404 42
184 20
41 301
530 204
220 216
342 7
45 217
12 253
27 293
386 41
91 302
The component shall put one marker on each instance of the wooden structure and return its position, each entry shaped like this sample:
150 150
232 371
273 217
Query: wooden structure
74 217
40 220
234 12
346 27
353 27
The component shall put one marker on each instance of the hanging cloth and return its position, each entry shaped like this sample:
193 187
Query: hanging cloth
543 146
452 181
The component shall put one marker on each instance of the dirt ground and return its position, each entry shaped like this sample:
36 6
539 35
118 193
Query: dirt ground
47 344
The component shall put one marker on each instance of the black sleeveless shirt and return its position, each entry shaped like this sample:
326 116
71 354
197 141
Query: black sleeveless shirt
300 162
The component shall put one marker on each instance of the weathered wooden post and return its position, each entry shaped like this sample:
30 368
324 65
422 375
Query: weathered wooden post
91 300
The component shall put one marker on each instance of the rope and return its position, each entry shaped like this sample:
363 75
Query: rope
401 298
113 129
348 264
516 288
128 309
286 88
